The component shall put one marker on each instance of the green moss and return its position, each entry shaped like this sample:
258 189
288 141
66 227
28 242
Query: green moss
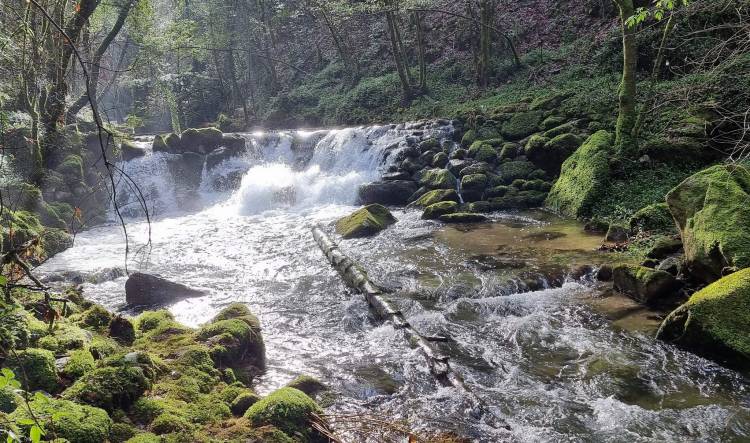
535 144
508 151
436 196
514 199
715 320
713 216
35 368
522 124
552 121
145 437
150 320
14 328
233 340
102 347
72 168
486 153
513 170
96 317
583 178
234 310
55 241
121 432
439 160
109 387
79 363
438 179
23 226
653 218
643 284
242 402
468 138
308 385
474 182
287 409
435 210
71 421
365 221
167 423
497 191
557 131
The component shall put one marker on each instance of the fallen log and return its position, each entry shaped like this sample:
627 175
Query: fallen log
356 278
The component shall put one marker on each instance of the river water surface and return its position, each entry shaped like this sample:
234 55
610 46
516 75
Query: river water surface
555 358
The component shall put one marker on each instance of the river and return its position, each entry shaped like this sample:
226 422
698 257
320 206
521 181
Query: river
549 354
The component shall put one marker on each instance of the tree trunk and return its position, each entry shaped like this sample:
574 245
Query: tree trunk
402 75
96 62
421 52
625 144
485 43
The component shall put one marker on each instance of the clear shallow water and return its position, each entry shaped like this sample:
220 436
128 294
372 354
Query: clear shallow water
546 362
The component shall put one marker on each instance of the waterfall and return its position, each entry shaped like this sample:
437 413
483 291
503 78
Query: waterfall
281 170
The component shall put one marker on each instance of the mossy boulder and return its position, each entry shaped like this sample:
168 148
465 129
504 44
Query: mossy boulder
308 385
548 102
552 121
71 169
202 140
653 218
365 222
151 320
436 196
96 317
476 182
645 285
552 153
583 177
617 232
509 151
468 138
522 124
435 210
663 247
234 336
73 422
516 169
109 387
712 213
18 227
566 128
35 368
715 320
438 179
289 410
122 330
483 152
462 217
513 199
168 423
439 160
79 362
129 150
242 402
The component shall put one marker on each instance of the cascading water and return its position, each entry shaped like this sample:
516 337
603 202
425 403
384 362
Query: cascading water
550 362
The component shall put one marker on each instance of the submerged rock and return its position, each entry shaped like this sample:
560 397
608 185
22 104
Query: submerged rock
147 289
712 213
365 222
644 284
715 321
462 217
390 192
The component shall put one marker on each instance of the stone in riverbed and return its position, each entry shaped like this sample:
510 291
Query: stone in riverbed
438 179
130 150
392 192
365 222
715 321
436 196
438 209
643 284
462 217
146 289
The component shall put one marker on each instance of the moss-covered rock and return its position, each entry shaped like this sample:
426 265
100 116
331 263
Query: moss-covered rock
468 138
122 330
516 169
168 423
551 156
712 214
308 385
71 421
96 317
715 321
71 168
617 232
483 152
287 409
439 160
243 402
475 182
121 432
583 177
79 362
552 121
514 199
462 217
653 218
643 284
509 151
35 368
438 179
9 400
151 320
496 191
18 227
109 387
234 336
566 128
203 140
435 210
436 196
663 247
534 145
365 222
522 124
